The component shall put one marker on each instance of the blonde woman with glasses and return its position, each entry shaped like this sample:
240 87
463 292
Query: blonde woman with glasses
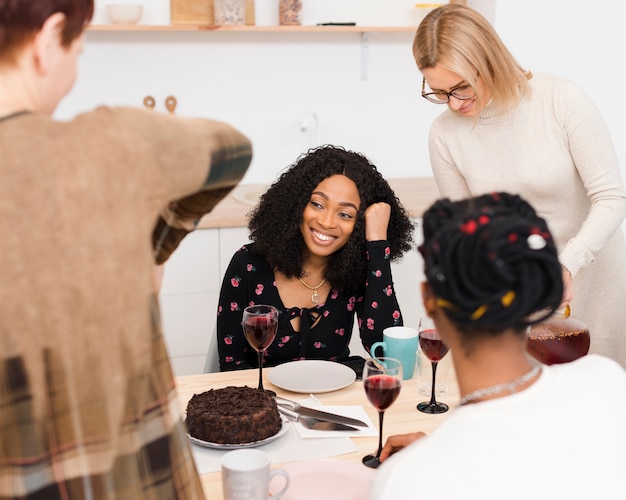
537 135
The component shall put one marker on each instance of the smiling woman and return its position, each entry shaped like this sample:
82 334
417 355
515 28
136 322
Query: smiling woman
328 219
324 235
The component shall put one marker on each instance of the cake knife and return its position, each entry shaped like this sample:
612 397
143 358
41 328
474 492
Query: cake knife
315 423
318 414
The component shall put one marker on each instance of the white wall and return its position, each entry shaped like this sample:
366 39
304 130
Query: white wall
267 83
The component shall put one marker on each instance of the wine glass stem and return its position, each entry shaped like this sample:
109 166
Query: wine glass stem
260 370
381 414
432 391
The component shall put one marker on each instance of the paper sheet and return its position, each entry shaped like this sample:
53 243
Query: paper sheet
347 411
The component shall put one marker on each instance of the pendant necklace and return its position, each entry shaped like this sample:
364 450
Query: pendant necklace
315 298
497 389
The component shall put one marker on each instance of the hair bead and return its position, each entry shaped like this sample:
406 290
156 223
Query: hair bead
508 298
447 305
536 242
479 312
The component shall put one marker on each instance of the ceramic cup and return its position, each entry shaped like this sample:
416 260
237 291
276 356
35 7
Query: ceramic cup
246 475
399 342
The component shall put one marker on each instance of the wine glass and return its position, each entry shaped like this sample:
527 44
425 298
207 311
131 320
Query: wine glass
260 323
434 349
382 380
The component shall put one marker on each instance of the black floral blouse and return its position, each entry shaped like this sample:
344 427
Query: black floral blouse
325 329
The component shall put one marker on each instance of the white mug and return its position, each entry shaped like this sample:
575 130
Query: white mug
246 475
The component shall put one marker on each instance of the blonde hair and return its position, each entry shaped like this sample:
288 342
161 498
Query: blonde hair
461 40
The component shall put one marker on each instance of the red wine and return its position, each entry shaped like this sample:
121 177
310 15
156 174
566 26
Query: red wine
432 345
558 347
260 332
382 390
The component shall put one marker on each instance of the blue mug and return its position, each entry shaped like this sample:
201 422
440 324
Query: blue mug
399 342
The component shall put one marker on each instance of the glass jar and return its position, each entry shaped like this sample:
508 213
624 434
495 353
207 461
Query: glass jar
229 12
559 339
289 12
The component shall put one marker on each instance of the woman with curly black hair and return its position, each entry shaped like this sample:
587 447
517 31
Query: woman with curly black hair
492 269
324 235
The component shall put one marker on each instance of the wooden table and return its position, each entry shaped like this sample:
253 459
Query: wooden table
400 418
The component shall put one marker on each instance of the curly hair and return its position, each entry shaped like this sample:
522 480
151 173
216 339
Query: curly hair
491 262
275 222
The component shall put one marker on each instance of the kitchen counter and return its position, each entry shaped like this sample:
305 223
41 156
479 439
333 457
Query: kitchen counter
415 193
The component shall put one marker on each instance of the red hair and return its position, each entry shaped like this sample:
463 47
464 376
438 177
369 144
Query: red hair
21 19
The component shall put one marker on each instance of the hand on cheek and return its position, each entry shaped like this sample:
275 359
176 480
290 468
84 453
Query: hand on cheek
376 221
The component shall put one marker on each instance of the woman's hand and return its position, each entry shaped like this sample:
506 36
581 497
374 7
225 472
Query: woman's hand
568 287
376 221
397 442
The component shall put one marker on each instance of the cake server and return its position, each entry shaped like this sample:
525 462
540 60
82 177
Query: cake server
305 411
315 423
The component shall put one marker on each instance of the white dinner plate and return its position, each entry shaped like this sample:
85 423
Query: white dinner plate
326 478
229 446
311 376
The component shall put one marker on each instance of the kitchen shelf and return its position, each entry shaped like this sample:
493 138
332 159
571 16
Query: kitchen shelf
252 29
364 31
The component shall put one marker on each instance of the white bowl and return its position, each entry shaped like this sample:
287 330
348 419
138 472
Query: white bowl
124 13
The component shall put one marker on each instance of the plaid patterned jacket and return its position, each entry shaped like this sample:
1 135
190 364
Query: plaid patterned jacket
88 406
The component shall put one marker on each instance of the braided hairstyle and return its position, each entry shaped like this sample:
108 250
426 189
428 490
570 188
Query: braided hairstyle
275 222
491 262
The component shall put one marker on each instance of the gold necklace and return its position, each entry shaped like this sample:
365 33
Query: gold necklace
315 298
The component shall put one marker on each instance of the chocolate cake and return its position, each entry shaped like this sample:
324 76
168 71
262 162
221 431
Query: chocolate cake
232 415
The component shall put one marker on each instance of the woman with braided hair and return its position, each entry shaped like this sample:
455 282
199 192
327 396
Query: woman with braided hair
521 429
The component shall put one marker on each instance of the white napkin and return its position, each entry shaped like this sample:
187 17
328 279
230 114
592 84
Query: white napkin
346 411
289 447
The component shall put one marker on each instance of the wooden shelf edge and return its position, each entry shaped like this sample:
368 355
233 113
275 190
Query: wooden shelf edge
253 29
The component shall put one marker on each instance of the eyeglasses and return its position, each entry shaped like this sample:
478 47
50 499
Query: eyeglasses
462 93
